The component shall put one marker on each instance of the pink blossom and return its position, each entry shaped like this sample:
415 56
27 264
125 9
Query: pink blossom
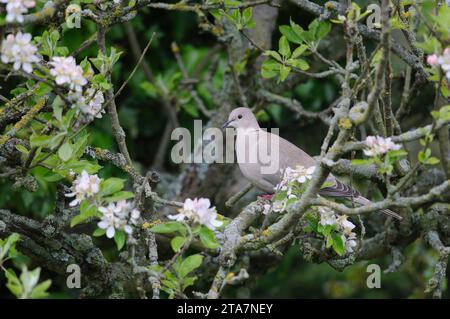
432 59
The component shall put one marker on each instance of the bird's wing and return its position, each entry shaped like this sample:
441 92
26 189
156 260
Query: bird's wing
290 155
338 189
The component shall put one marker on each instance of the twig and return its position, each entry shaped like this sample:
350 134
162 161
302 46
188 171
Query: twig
117 129
233 199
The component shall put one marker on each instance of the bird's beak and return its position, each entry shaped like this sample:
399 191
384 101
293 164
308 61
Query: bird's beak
226 124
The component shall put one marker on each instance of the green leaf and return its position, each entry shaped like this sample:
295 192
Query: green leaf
43 88
397 153
190 264
423 156
111 185
284 72
207 238
313 222
118 196
299 51
8 245
289 33
338 244
13 283
26 286
99 232
65 152
87 210
299 64
329 241
273 54
432 161
119 238
48 42
188 281
77 166
283 47
177 242
270 69
247 16
322 29
443 114
359 161
191 109
22 149
169 227
149 88
39 140
80 145
57 108
299 32
40 291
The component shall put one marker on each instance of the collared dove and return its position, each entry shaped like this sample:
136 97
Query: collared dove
249 135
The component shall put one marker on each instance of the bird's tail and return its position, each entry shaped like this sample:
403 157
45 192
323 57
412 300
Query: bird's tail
364 201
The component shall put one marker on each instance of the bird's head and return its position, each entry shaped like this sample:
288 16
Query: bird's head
242 118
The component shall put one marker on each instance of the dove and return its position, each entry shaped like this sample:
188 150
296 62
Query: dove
249 135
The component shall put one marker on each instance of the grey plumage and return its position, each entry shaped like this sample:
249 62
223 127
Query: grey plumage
249 134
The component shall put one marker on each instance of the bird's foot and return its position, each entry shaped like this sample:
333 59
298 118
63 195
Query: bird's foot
267 196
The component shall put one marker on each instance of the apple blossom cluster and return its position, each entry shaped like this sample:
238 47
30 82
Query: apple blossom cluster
441 60
115 216
15 9
89 104
67 72
85 186
299 174
118 216
198 211
94 100
341 224
19 50
378 145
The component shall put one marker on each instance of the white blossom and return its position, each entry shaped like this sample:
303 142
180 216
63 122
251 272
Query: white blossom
300 174
88 104
83 187
267 208
17 49
441 60
349 242
93 104
118 216
15 9
66 71
341 224
327 216
378 145
444 62
432 59
279 205
198 211
346 225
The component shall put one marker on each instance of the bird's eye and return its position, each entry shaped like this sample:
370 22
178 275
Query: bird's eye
239 116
